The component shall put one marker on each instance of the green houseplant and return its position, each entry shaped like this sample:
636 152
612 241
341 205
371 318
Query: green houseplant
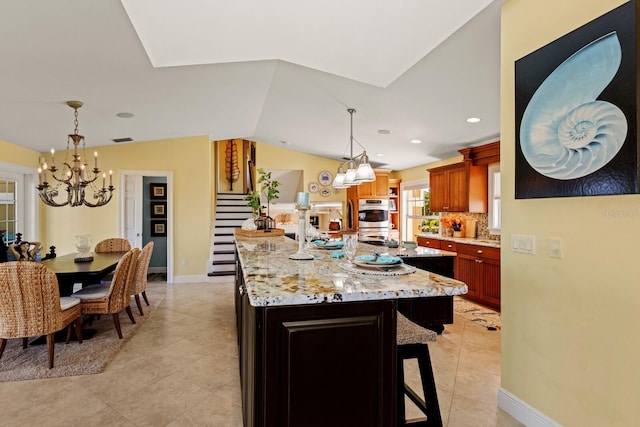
268 190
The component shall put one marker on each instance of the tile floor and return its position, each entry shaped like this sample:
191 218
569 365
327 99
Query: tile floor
181 369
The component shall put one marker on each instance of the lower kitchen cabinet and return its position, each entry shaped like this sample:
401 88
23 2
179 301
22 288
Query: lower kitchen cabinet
317 364
432 312
479 267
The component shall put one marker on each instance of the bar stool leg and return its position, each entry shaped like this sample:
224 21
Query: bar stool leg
429 406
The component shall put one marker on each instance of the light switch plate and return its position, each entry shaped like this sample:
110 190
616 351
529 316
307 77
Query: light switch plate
523 244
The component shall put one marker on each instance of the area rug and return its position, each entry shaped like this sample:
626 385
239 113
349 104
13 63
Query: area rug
90 357
477 313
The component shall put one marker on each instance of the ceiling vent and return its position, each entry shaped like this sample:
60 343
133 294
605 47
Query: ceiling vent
122 140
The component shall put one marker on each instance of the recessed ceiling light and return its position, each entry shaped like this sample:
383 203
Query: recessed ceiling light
284 142
416 141
384 131
124 115
380 154
473 120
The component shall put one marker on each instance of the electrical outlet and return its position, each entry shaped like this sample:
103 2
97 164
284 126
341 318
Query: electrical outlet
184 261
555 247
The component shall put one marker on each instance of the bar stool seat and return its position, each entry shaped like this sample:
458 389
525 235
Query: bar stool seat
411 343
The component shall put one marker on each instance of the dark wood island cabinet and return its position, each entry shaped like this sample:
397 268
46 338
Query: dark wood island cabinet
312 354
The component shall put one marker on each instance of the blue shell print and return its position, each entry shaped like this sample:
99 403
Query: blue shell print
566 132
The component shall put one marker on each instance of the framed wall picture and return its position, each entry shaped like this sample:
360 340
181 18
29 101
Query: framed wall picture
158 191
158 209
576 112
158 228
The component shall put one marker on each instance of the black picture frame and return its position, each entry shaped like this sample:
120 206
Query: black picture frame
158 209
158 228
541 164
157 191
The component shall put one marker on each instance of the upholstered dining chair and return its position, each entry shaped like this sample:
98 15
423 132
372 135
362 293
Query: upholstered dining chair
30 305
113 244
113 297
140 278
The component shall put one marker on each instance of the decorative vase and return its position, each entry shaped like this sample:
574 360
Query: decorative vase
83 244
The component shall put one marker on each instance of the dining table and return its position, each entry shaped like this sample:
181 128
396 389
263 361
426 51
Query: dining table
70 272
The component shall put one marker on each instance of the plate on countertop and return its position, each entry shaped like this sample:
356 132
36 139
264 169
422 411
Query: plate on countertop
329 245
379 261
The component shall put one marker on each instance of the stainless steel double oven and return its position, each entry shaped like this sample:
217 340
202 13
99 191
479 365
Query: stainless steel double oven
373 220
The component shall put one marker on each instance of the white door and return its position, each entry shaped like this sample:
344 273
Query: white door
133 210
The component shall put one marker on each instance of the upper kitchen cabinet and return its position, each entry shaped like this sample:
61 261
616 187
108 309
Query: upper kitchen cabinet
378 188
462 187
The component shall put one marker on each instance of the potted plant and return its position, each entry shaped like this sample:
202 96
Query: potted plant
268 188
253 201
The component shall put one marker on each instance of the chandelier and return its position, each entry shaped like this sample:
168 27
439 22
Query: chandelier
354 175
74 176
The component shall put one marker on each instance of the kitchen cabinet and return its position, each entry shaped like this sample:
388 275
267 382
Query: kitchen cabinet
479 267
376 189
463 186
293 357
429 242
460 187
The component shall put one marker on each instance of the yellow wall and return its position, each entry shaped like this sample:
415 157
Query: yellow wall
18 155
190 161
420 173
570 335
272 157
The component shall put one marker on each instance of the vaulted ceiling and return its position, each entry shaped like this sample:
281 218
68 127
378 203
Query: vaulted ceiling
275 71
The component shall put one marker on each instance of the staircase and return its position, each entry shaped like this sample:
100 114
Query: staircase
231 212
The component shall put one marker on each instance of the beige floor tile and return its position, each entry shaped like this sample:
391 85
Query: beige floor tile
181 369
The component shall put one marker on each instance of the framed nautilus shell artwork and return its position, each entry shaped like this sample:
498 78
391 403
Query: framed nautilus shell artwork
576 112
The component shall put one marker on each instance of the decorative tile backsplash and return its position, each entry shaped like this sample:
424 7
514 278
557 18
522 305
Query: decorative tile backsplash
482 223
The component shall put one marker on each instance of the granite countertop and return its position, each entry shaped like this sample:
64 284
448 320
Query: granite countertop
468 240
271 278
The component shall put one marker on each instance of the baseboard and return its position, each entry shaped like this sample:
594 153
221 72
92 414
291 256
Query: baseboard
522 411
190 279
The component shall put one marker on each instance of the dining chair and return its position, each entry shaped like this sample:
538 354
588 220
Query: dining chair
30 305
113 244
140 278
113 297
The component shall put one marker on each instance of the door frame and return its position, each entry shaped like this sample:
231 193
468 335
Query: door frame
123 174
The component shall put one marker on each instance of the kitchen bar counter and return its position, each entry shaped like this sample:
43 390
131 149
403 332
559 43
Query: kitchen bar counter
303 341
271 278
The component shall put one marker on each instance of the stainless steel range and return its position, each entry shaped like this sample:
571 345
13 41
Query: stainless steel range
373 220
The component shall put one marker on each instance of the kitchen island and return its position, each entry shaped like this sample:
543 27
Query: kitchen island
316 350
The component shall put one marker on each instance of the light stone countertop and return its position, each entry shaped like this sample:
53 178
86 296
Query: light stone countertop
468 240
271 278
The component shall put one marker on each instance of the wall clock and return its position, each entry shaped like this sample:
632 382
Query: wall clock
325 177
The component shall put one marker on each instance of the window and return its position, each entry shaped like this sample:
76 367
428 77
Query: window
495 220
418 217
8 215
18 202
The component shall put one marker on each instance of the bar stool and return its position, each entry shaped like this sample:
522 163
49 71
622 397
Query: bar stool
411 343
